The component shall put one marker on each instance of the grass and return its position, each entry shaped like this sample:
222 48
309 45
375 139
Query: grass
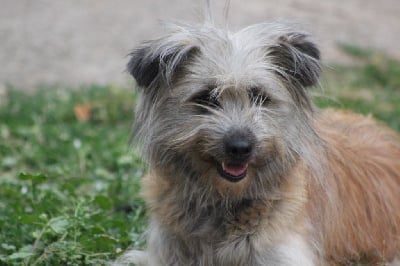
68 188
371 86
69 181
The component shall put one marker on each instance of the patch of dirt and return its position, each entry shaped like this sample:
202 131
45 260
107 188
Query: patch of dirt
77 42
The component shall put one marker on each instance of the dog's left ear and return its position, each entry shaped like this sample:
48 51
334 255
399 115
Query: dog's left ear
158 61
298 58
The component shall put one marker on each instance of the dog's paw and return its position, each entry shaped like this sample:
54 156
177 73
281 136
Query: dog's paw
132 257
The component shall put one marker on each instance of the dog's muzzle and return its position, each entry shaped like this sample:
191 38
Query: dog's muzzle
238 150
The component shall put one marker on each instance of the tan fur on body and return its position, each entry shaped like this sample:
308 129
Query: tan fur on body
243 169
358 219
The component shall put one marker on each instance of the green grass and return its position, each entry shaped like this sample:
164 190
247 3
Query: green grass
69 188
371 86
64 182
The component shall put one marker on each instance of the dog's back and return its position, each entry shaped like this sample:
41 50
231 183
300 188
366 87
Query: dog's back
357 214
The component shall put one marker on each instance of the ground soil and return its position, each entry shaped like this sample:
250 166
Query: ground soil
78 42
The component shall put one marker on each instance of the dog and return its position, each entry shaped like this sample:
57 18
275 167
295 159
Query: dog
243 169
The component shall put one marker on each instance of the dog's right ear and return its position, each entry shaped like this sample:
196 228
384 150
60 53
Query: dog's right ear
143 66
157 62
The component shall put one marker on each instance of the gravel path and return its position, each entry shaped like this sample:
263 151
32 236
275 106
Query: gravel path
79 42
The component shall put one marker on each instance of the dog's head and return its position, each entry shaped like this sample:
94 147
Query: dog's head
229 110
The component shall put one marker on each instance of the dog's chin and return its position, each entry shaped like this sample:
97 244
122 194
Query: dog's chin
233 172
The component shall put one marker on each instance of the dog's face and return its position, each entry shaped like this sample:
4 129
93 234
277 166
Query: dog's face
228 111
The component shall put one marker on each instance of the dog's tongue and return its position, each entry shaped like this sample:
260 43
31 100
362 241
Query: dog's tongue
234 169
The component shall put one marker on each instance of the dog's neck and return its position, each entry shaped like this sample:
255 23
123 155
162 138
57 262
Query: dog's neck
187 214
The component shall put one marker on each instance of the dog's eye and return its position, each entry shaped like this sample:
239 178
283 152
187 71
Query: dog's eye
258 97
205 100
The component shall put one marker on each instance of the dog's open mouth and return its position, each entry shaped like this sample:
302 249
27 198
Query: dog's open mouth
233 172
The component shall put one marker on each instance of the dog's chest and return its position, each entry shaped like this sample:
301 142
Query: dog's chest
231 237
244 238
219 225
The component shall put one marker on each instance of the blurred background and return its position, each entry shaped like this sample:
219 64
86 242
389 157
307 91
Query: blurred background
79 42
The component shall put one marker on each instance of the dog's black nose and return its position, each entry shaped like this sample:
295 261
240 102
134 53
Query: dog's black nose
239 145
238 148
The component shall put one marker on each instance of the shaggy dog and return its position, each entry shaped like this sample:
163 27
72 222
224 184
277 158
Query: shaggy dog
243 169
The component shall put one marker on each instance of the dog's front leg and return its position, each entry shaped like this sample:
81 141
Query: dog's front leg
295 250
292 250
135 257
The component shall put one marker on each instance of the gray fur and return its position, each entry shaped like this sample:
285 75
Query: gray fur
181 139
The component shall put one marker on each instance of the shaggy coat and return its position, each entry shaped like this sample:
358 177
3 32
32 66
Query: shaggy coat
243 169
